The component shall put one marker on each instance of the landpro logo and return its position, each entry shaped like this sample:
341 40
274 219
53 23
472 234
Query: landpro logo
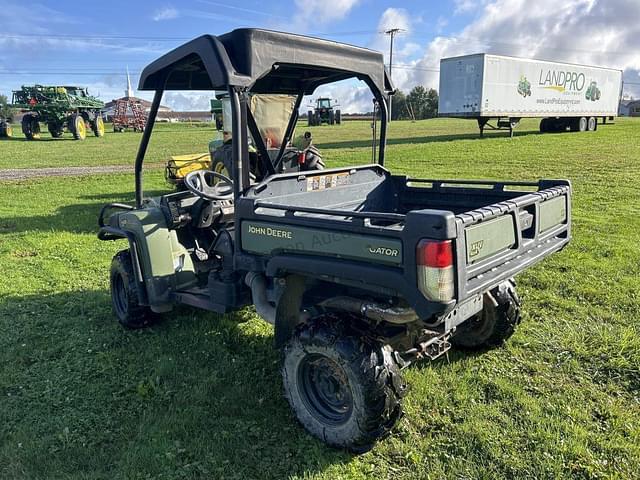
562 81
524 86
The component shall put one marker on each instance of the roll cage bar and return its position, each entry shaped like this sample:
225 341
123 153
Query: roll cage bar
259 61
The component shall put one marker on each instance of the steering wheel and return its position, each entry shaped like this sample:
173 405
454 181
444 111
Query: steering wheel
198 184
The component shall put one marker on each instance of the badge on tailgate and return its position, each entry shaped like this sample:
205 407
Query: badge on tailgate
487 238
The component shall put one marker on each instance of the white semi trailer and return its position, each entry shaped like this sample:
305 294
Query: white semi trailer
506 89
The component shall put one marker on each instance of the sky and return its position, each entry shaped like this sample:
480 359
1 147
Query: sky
59 43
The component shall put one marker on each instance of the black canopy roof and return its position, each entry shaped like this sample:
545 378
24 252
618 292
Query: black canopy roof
265 62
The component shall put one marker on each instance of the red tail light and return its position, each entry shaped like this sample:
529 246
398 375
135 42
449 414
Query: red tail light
434 261
435 254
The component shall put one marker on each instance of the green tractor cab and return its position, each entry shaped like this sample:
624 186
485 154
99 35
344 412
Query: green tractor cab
60 108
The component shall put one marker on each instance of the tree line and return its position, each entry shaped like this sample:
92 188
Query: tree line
418 104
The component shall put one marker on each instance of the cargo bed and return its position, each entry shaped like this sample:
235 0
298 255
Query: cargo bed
498 228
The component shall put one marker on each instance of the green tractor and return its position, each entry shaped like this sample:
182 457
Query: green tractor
59 107
593 92
5 128
324 112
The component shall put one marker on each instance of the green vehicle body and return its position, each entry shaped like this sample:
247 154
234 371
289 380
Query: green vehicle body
60 108
593 92
355 264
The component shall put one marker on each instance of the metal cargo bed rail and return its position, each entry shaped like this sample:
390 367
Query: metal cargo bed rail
497 185
291 210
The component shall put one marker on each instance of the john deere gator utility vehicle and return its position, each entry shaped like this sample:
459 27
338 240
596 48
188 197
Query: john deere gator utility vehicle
360 271
324 112
60 108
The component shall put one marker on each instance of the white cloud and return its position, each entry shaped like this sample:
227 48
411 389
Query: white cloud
395 18
592 32
322 11
467 6
165 13
188 101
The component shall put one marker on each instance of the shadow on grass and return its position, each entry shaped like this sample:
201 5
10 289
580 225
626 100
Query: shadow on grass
75 218
197 395
426 139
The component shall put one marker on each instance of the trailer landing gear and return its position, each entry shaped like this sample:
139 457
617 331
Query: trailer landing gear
502 124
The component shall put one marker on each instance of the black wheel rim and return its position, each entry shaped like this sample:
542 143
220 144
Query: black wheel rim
119 295
325 389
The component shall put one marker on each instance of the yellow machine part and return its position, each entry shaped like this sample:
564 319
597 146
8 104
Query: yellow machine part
180 165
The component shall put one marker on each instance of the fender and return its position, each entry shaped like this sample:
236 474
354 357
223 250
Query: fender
112 233
288 309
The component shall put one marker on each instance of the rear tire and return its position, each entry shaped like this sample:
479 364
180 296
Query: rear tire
338 117
343 387
6 131
495 324
98 127
592 124
31 126
310 118
55 130
125 301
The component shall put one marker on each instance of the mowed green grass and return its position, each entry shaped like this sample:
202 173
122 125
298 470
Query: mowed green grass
199 395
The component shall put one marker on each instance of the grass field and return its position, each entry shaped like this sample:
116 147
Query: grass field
199 396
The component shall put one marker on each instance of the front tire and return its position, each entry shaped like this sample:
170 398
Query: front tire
495 324
344 388
31 126
78 127
125 300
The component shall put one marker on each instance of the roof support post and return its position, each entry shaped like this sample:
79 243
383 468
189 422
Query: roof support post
144 143
289 132
239 141
382 106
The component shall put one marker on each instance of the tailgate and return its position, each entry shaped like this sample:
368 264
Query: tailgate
500 240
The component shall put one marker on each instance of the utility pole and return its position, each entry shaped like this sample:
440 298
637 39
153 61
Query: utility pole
392 33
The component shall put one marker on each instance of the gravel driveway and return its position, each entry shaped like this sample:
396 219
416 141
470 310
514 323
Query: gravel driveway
26 173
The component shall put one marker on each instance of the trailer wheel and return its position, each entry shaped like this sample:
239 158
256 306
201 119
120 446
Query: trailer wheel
124 294
495 324
579 124
592 124
344 388
544 125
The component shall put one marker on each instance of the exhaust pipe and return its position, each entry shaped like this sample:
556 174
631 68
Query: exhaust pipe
258 285
371 310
